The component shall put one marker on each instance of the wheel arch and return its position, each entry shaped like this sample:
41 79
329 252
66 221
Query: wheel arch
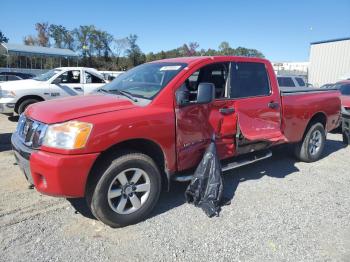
318 117
145 146
23 98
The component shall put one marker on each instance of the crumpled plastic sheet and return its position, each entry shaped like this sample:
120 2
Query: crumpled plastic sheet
206 187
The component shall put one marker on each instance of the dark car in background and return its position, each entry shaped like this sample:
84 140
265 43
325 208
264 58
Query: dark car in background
344 88
330 85
12 76
291 81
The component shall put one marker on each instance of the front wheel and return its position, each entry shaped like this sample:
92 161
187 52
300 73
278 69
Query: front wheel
311 147
127 191
24 104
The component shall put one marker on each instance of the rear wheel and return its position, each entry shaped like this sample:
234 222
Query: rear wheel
25 103
311 148
346 138
127 191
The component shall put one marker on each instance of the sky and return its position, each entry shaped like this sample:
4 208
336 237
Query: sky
282 30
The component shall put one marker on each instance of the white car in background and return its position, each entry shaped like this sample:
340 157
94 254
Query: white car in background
111 75
291 81
15 96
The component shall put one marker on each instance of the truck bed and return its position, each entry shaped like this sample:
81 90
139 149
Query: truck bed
299 105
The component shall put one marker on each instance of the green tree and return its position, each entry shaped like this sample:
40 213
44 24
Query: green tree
3 38
43 34
150 57
68 39
63 38
83 36
190 49
30 40
226 49
242 51
134 52
119 47
211 52
103 43
57 32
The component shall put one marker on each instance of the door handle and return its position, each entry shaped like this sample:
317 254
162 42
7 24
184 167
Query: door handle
273 105
78 88
227 110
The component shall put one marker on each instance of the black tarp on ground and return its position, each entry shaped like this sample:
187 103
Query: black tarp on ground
206 187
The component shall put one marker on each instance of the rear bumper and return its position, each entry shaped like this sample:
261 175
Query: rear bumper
54 174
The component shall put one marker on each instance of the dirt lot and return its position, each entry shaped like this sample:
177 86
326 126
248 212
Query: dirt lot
280 210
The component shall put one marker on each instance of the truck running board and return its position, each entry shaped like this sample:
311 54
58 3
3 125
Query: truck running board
230 164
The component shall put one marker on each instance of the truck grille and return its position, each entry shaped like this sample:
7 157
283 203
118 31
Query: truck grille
30 132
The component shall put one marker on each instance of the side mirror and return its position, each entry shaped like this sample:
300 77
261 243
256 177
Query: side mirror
206 93
56 81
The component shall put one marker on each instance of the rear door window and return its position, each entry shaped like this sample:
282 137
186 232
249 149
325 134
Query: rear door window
285 81
71 77
300 81
249 79
92 79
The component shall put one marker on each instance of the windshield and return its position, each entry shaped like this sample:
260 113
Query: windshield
145 81
46 76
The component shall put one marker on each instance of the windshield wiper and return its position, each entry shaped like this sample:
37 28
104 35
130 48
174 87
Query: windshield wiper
120 92
127 94
102 90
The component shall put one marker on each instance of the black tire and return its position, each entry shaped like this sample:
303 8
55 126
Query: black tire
345 138
303 149
25 103
97 192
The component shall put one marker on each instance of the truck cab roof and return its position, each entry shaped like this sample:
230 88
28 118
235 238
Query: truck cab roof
196 59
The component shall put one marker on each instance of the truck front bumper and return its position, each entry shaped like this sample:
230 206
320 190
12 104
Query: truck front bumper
54 174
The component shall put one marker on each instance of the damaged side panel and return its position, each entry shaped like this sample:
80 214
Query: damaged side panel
195 126
244 145
257 121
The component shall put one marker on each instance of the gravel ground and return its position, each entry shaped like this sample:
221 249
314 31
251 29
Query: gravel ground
281 210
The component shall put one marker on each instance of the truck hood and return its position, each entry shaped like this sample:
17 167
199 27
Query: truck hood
18 84
64 109
345 101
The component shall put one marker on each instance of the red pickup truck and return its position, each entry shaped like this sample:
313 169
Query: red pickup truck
118 147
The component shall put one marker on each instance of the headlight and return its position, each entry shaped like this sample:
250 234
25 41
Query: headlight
68 135
7 94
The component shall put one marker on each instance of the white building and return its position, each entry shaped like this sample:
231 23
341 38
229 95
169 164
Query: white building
291 68
329 61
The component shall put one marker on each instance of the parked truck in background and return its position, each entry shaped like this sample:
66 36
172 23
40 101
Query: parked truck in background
291 81
16 96
151 125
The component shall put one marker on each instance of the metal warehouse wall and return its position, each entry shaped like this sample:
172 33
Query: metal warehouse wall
329 62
